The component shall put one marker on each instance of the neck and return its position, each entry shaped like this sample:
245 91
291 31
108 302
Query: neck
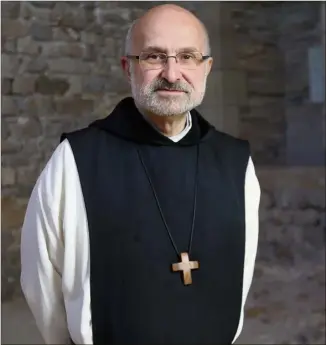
168 125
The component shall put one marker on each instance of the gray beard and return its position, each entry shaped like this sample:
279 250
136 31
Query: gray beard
149 101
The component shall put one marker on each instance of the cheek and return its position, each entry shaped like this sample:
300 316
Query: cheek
196 78
147 77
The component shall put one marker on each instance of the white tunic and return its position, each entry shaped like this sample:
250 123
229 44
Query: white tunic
55 262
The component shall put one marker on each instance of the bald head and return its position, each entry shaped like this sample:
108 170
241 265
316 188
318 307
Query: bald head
166 17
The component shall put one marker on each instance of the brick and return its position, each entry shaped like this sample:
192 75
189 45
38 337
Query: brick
24 85
51 86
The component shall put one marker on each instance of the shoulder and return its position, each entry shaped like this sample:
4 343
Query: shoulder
229 144
86 133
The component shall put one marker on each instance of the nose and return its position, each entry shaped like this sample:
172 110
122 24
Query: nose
171 70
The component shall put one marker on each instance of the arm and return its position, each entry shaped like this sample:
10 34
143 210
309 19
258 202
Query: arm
42 252
252 201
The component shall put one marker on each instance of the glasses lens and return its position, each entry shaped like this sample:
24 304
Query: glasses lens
189 60
152 60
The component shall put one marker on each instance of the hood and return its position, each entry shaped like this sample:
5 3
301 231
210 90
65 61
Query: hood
127 122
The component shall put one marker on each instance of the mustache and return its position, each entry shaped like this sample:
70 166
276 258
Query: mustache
164 84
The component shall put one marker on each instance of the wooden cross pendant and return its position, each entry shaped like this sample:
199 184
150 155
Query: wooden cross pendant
186 266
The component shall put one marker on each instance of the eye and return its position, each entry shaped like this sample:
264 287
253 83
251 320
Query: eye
155 57
187 56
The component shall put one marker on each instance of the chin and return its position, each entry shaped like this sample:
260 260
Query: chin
166 109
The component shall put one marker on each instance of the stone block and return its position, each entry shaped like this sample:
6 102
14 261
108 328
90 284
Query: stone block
231 120
10 9
13 28
13 212
27 45
261 57
234 87
91 38
69 66
8 176
23 85
96 84
65 34
6 86
33 10
38 105
271 112
63 49
40 32
27 127
306 217
225 51
8 105
70 16
214 88
266 83
51 86
9 45
9 65
75 85
27 175
36 65
305 135
74 106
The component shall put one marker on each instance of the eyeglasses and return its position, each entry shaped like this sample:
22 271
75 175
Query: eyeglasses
158 60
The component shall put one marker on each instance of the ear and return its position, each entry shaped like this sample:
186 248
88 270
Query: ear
208 66
125 65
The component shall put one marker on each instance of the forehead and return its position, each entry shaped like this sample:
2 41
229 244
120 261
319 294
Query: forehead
169 33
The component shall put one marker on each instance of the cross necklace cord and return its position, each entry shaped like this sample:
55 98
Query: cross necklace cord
185 265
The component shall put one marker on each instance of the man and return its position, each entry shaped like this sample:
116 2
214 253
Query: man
143 227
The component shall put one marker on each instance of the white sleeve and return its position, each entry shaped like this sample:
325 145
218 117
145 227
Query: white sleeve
42 251
252 201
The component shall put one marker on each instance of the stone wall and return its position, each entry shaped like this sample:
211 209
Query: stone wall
292 218
60 70
266 92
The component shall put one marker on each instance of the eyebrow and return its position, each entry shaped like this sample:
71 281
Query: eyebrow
162 50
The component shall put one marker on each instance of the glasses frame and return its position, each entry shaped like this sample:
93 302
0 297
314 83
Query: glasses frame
137 57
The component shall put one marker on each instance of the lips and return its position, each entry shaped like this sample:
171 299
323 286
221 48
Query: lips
170 90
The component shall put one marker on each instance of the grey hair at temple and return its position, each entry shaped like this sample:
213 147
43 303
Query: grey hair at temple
128 41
